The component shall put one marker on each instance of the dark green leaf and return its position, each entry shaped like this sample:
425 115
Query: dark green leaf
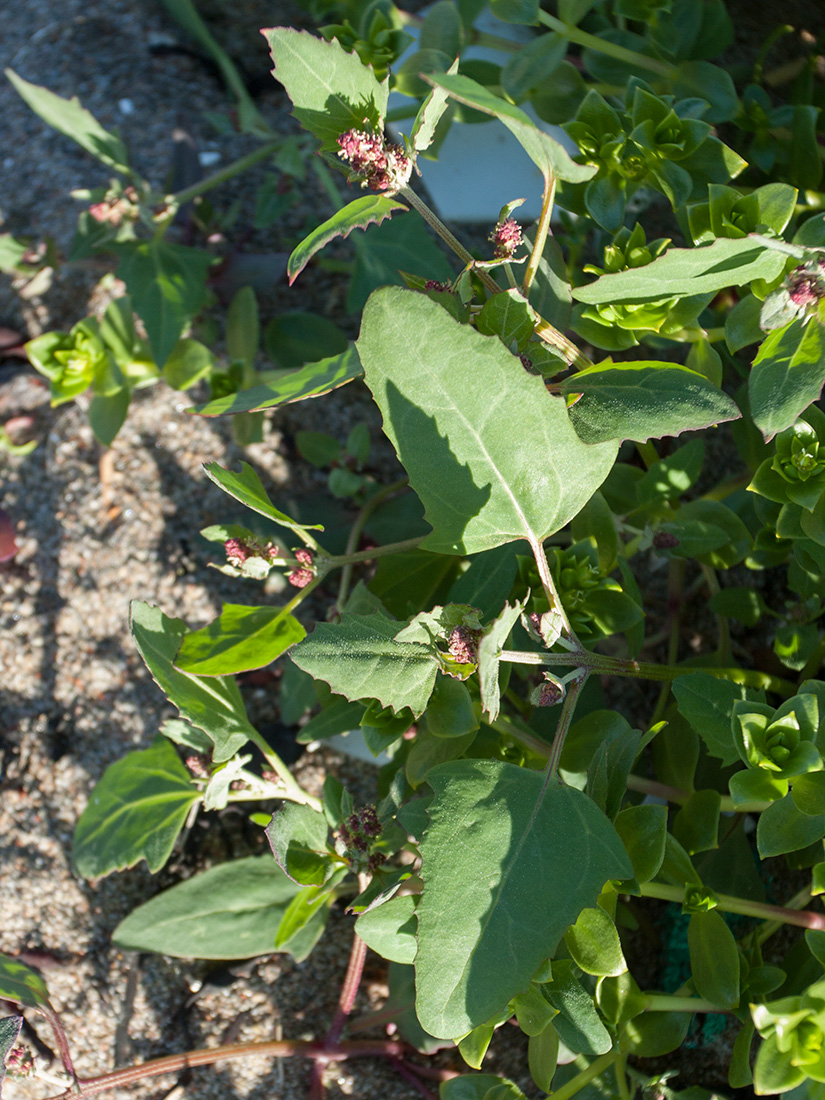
707 704
696 825
188 362
167 285
212 704
311 380
135 812
714 959
22 985
478 876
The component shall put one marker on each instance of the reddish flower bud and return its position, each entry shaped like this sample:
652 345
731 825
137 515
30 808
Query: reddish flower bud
506 238
300 578
237 551
664 540
383 166
463 645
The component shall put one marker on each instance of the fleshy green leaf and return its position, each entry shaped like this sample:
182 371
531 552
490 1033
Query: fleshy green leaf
784 828
311 380
212 704
787 375
360 659
248 488
687 271
358 214
331 90
593 943
228 912
69 118
714 959
545 152
135 812
486 867
449 397
241 638
640 401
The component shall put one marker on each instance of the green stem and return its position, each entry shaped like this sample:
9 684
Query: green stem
801 918
293 791
355 536
595 1069
798 901
549 586
542 229
648 453
375 552
547 332
602 665
610 49
722 622
727 488
644 785
433 220
668 1002
224 174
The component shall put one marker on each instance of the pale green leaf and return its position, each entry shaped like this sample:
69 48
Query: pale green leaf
787 375
248 488
331 90
239 639
68 117
390 929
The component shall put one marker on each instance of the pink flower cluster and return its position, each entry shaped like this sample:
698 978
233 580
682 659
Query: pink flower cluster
382 166
300 578
506 238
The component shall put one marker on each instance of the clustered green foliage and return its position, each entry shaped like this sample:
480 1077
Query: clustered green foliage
512 845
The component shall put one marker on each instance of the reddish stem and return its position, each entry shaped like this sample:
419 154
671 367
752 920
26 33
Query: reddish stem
284 1048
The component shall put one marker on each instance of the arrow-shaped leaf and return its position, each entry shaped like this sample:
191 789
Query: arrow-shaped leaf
509 861
492 455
